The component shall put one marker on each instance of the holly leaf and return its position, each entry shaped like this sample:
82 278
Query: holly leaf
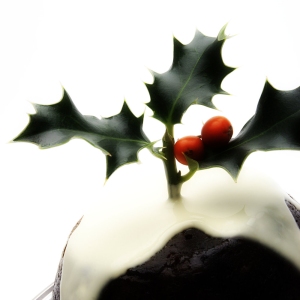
120 137
194 78
274 126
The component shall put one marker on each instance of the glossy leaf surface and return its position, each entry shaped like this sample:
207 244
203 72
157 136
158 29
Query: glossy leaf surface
120 136
194 78
274 126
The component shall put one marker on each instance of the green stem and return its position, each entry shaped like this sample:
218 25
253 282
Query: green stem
170 131
187 176
173 176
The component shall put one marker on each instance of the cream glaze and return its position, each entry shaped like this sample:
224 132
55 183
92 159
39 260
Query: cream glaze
128 226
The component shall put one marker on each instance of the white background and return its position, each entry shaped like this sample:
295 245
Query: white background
100 51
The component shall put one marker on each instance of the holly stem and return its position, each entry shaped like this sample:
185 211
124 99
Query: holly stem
173 176
188 175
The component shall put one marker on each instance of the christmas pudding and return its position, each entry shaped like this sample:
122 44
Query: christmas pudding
240 236
215 231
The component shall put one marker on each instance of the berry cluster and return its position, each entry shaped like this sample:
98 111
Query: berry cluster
215 133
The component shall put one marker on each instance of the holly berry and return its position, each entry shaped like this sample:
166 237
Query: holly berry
217 132
191 146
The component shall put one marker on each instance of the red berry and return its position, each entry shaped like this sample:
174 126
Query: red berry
191 146
217 132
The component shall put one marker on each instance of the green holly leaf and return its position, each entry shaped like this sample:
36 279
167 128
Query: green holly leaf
120 137
194 78
274 126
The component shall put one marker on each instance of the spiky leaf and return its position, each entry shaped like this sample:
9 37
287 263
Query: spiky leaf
120 136
194 78
274 126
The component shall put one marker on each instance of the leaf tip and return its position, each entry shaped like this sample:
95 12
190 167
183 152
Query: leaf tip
222 35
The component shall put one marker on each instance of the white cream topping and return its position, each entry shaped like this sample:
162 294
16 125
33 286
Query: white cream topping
134 219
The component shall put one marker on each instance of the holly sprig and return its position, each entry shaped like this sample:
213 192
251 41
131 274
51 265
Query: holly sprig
194 78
